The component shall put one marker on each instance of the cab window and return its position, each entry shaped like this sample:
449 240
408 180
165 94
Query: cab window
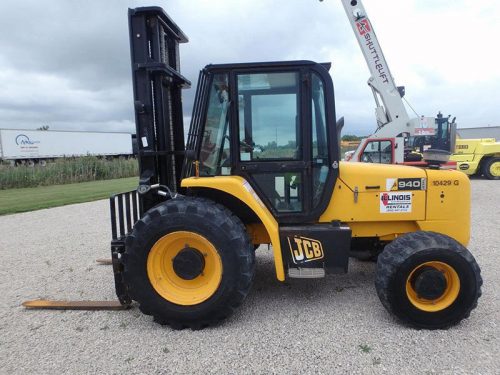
268 116
214 153
377 152
320 160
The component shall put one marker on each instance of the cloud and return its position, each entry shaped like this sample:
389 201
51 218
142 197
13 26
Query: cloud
66 63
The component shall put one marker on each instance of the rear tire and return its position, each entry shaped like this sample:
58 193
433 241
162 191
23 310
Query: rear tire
178 296
491 169
428 280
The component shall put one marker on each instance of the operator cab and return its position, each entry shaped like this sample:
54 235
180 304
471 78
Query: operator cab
433 134
436 137
272 124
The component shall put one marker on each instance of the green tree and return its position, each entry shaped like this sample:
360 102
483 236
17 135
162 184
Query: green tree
350 138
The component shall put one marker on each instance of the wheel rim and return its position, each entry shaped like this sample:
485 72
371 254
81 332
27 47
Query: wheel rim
168 283
495 169
447 295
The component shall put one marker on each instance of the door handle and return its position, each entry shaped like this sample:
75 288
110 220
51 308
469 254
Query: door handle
249 167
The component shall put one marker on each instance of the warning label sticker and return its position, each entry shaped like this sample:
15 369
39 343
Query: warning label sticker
395 202
248 188
391 184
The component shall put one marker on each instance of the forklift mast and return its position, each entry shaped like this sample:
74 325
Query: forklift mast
157 85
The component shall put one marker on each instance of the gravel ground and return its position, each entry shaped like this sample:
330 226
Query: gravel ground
332 325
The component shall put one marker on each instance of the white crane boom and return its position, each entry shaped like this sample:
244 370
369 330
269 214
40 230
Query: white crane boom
393 122
381 80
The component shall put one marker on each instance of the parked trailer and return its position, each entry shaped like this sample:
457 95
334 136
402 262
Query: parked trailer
19 145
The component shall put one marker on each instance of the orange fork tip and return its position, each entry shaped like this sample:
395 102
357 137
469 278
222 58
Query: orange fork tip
104 262
74 305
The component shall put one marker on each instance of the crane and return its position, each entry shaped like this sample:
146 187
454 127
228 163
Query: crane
396 132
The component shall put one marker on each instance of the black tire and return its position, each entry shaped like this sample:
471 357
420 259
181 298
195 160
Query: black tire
487 168
407 253
216 224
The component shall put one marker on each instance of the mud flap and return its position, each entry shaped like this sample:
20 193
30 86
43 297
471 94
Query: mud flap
316 246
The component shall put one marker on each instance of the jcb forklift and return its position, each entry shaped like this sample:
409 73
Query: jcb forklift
261 166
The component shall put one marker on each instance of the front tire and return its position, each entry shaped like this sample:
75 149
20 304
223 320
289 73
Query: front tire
189 263
491 169
428 280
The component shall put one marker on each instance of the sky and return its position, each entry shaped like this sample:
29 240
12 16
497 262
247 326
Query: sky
66 64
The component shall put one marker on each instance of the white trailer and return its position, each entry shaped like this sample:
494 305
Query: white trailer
38 145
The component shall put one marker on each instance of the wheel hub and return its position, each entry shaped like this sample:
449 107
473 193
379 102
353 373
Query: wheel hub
189 263
495 169
429 283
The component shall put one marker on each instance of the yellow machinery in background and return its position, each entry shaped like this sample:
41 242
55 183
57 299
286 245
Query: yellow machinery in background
478 157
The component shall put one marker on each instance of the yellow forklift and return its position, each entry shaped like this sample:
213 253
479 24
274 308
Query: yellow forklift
261 166
478 157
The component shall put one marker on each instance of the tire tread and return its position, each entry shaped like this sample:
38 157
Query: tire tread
399 250
217 215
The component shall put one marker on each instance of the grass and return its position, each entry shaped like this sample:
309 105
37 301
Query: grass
66 171
29 199
365 348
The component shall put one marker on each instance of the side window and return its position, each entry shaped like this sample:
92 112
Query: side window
214 153
320 160
268 108
377 152
284 190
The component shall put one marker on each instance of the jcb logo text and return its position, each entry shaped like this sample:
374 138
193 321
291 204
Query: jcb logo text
305 249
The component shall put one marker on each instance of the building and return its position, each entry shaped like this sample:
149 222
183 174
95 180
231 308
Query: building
480 132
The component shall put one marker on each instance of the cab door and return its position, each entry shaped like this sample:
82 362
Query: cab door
283 140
